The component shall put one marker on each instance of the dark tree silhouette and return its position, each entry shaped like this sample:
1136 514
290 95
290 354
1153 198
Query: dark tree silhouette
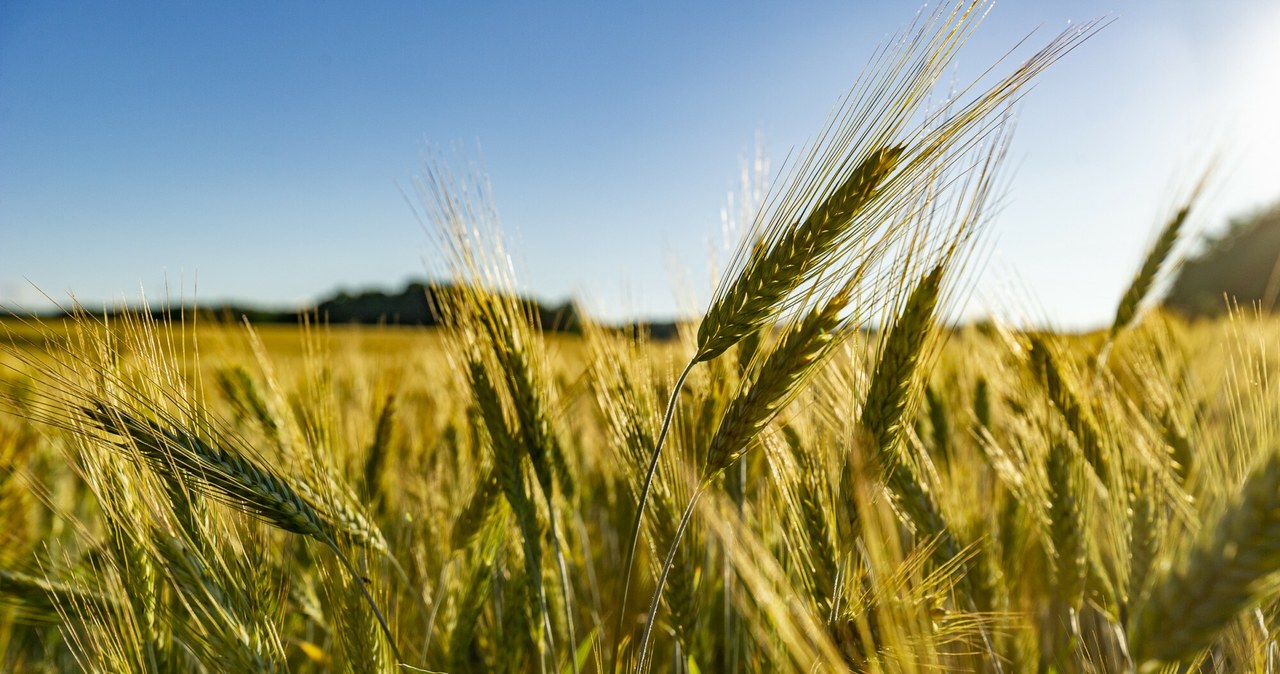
413 306
1242 264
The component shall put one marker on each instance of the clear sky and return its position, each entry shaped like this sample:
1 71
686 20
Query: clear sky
259 151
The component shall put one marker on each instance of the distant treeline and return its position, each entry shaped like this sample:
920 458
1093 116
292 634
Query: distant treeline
1239 266
1242 263
412 306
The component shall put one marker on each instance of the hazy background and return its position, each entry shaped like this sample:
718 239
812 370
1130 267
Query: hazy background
258 151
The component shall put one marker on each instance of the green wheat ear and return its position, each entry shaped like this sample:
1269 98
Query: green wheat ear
779 378
775 269
894 373
1141 284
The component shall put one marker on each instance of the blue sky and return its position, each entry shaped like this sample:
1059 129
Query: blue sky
259 151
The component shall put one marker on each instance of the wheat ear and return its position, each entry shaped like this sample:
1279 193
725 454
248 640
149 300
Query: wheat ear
779 378
232 479
1079 419
774 270
510 477
1140 287
1142 282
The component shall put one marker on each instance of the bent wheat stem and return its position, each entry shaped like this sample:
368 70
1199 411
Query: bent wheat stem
644 499
359 580
666 569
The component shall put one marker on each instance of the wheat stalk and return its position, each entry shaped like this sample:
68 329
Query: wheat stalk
781 375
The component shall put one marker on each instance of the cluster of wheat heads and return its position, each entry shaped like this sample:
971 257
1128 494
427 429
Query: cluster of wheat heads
820 475
904 497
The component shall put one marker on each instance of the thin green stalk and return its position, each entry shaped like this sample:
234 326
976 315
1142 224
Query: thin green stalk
737 485
644 499
666 569
382 621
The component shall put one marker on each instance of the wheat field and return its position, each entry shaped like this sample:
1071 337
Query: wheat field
823 472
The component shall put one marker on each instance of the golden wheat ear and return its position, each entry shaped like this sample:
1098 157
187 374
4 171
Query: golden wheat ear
230 478
852 198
